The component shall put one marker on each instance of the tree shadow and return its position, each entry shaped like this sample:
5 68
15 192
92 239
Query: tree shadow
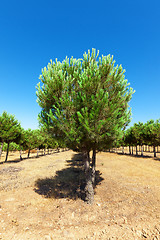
17 160
67 183
135 156
138 156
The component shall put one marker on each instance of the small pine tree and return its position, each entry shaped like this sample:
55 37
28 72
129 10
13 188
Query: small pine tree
10 130
152 129
31 140
139 135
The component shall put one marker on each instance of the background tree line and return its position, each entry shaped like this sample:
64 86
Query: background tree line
142 135
14 137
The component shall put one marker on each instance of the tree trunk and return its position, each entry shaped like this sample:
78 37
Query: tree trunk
129 150
89 191
28 152
88 156
21 154
1 149
37 152
7 153
93 167
86 161
136 151
154 150
44 151
132 150
48 151
123 150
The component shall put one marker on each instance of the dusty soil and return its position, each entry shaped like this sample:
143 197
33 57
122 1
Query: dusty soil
41 198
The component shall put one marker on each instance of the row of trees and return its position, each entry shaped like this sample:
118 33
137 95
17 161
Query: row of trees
13 136
142 134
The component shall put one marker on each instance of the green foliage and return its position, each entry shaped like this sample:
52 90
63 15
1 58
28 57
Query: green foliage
32 139
84 101
128 137
12 146
46 140
152 130
138 133
10 128
148 133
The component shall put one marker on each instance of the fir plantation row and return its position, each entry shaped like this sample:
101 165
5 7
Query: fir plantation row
85 107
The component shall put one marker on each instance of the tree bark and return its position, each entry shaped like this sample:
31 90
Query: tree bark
37 152
28 153
7 153
21 154
122 149
89 191
1 149
154 150
86 161
136 151
88 156
129 150
132 150
93 167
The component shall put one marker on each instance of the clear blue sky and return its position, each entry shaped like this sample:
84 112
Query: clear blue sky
33 32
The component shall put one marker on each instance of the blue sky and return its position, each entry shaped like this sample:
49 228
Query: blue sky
33 32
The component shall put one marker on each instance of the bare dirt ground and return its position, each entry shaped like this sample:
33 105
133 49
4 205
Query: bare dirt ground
40 198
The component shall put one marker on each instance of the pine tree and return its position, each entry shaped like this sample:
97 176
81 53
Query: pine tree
32 139
85 102
1 148
48 141
152 129
10 130
128 139
139 135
